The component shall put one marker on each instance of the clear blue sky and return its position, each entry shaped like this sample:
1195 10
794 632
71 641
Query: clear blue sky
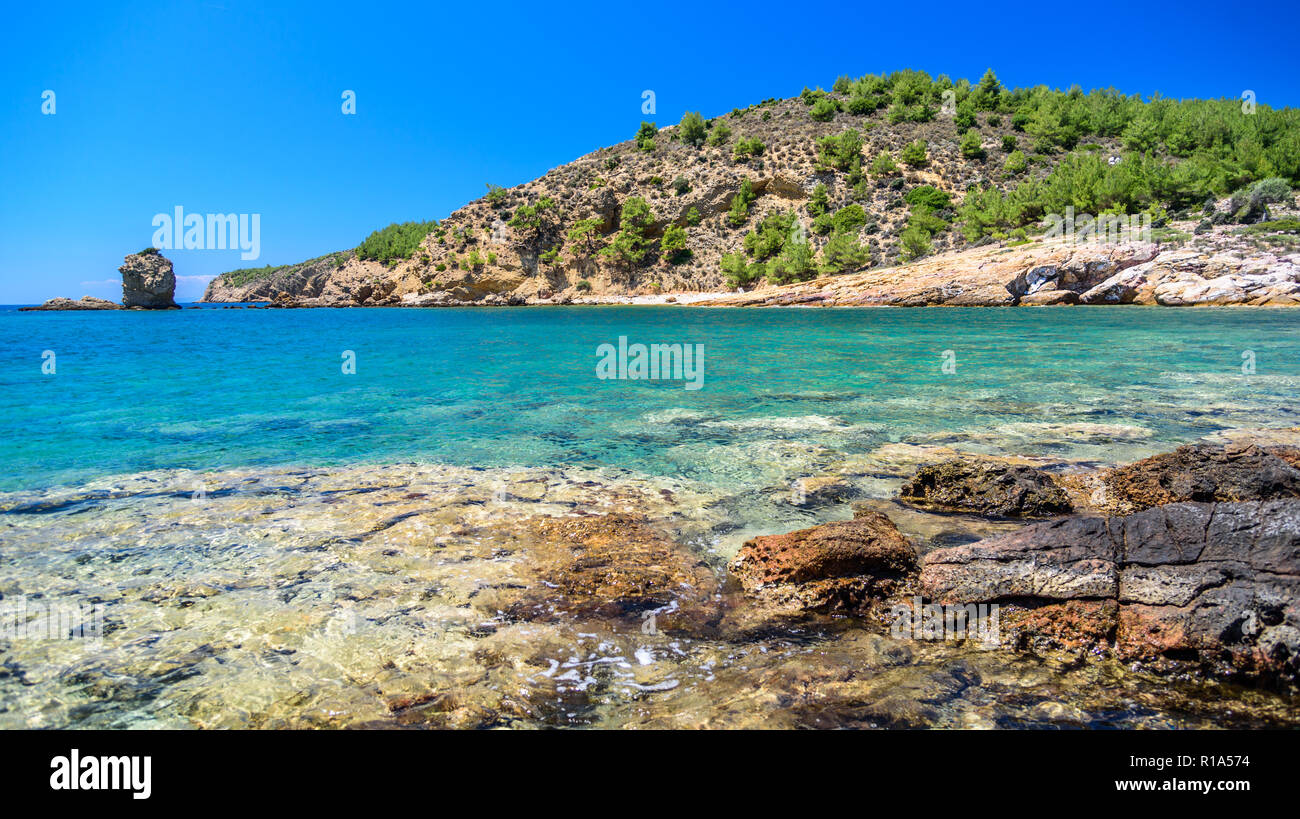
234 107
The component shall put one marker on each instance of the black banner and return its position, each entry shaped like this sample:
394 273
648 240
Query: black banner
148 771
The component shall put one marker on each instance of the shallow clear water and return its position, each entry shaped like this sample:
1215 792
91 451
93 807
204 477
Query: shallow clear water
278 544
204 389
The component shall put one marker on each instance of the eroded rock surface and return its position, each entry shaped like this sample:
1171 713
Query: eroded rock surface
836 567
148 281
1200 472
1204 276
1215 585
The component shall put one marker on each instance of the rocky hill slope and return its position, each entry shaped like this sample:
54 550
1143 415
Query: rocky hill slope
879 173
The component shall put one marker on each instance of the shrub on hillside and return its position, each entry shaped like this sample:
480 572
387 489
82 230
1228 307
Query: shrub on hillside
397 241
745 148
673 244
883 164
928 196
739 211
629 245
737 272
770 235
844 252
915 154
691 130
1016 163
824 110
719 135
645 136
819 202
841 152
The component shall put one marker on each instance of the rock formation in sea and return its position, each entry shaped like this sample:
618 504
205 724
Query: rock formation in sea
84 303
148 281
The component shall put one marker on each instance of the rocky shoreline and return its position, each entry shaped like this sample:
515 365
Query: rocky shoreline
1218 273
1162 594
1225 271
1197 572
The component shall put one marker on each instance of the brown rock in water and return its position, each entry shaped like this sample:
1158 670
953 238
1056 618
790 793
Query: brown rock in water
84 303
148 281
1198 472
1213 585
986 487
836 567
614 566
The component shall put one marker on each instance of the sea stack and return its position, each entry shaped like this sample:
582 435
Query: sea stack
148 281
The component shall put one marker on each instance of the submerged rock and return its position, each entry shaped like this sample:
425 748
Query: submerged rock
1200 472
608 566
148 281
1214 585
986 487
836 567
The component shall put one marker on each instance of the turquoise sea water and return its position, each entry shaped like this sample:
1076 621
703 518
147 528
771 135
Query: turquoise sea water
212 388
287 593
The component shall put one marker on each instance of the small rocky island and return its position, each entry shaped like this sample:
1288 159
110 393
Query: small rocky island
148 283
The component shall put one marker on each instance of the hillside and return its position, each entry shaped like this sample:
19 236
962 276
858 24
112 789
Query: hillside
878 173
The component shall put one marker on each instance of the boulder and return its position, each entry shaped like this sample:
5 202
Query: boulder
1080 268
1211 585
84 303
1122 288
842 566
1046 297
148 281
986 487
1201 472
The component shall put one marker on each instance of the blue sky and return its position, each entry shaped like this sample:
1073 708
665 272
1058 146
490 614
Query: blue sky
235 107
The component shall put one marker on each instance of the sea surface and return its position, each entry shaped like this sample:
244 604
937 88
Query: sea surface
293 518
214 388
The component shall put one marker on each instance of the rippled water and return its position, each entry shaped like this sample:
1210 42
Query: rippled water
196 508
209 388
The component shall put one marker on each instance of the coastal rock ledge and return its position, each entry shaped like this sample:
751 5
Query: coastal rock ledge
84 303
1212 585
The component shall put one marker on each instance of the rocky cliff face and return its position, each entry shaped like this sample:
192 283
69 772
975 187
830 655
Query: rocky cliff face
1055 273
148 281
